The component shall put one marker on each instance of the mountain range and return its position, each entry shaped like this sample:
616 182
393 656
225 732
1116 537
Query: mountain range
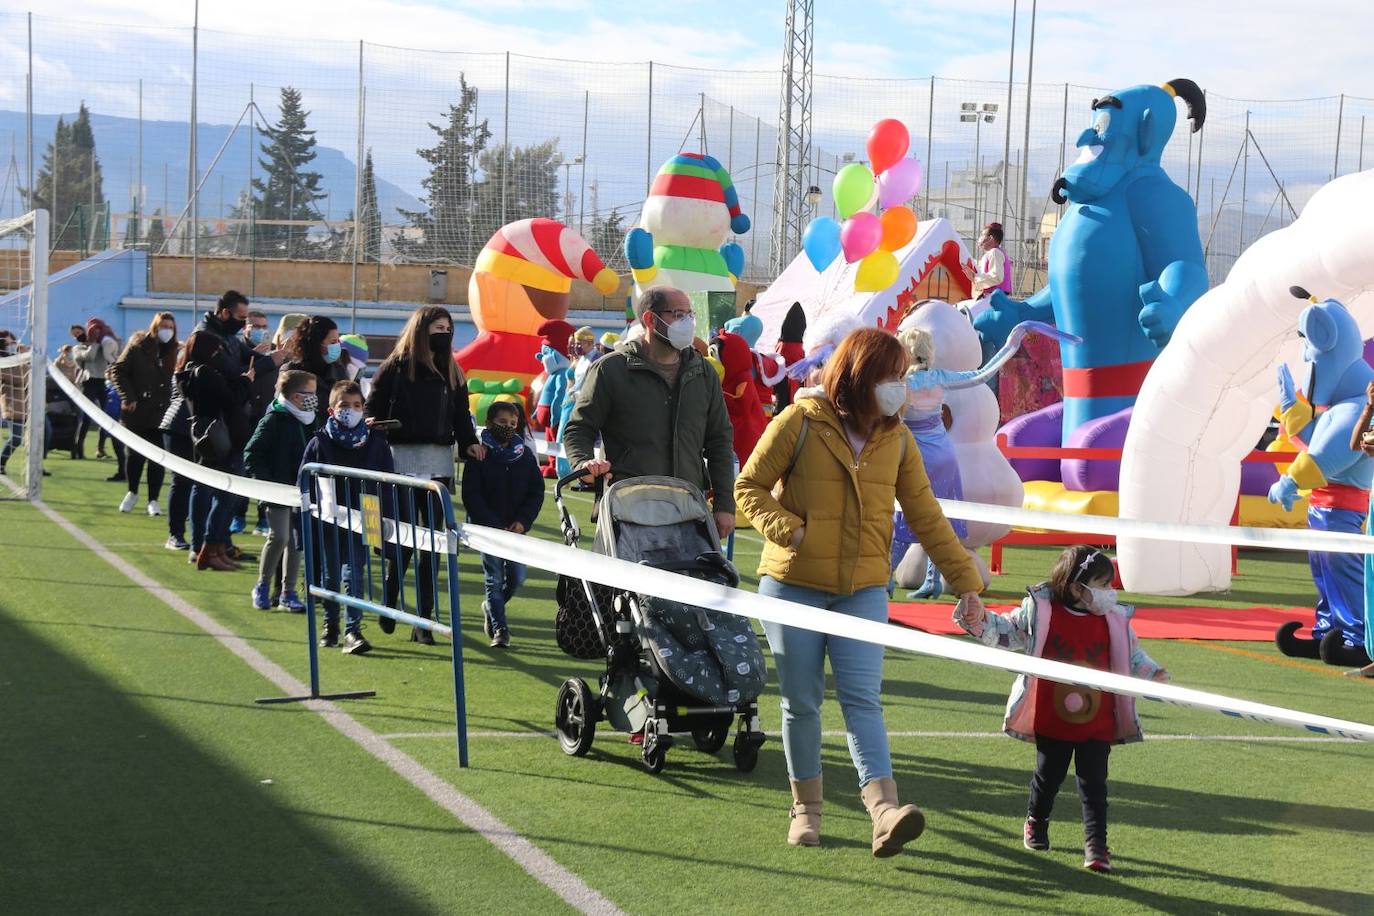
164 164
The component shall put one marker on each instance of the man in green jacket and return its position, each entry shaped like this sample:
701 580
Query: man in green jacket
658 408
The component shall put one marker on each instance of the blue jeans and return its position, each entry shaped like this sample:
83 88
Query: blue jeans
345 558
16 428
179 497
501 578
799 657
211 512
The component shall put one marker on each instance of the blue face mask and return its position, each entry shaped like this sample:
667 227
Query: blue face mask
331 352
257 335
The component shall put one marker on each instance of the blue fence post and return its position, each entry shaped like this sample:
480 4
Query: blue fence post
312 568
451 551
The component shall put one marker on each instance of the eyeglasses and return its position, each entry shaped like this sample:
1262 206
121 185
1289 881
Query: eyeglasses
677 315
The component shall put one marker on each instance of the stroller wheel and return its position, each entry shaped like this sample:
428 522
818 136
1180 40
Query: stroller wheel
654 758
746 753
711 738
575 717
655 752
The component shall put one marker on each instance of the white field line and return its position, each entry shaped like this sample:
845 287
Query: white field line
533 860
1261 739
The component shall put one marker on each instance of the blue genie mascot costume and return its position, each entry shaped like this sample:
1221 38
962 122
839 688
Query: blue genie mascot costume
1338 476
1125 262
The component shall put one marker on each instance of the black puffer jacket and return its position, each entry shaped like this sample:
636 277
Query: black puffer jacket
143 377
430 410
214 390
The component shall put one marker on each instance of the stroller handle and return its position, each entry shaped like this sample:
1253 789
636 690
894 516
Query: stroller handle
573 478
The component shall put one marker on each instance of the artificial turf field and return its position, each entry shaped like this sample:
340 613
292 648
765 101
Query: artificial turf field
140 777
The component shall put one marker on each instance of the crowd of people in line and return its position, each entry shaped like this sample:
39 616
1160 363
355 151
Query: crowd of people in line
819 487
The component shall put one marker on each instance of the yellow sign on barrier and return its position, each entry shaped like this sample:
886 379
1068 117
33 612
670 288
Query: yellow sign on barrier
372 520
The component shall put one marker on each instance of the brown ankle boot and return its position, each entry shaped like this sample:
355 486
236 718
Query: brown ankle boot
212 557
805 829
894 824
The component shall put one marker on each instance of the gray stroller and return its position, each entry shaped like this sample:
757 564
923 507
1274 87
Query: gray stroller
671 668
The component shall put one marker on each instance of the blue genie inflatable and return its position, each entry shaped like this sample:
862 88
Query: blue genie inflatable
1339 475
1125 262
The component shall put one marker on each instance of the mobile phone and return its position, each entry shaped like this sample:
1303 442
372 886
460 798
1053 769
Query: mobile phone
386 424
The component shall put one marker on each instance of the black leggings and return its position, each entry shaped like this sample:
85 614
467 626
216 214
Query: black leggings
1090 765
395 572
134 462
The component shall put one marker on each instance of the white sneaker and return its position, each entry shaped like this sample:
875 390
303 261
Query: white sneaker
154 508
127 505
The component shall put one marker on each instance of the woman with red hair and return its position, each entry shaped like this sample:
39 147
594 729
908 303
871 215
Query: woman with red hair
842 456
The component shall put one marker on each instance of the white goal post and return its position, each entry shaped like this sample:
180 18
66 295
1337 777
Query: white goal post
24 312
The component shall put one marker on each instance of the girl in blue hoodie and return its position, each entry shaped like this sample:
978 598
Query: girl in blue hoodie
503 490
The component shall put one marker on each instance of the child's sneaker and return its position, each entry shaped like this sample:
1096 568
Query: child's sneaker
1036 834
354 644
237 524
1097 857
290 601
500 639
260 597
330 637
154 509
261 529
176 542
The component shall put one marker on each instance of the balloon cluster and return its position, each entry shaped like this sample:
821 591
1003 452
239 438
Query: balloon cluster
888 181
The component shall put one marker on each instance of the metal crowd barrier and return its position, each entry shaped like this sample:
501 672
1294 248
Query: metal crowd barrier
368 539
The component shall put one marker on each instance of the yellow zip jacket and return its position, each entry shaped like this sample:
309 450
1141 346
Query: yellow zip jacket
845 504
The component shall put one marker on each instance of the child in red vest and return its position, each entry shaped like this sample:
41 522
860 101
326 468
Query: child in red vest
1074 618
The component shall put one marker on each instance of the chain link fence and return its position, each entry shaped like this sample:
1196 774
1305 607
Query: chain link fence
461 143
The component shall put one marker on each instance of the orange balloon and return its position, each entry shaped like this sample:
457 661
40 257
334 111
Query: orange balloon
899 227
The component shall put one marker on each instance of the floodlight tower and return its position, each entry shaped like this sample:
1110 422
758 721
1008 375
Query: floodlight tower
793 161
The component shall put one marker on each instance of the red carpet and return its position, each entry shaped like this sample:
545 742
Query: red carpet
1251 624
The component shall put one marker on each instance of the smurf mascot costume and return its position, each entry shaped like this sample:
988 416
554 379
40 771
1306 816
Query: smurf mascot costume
1338 476
1125 261
553 356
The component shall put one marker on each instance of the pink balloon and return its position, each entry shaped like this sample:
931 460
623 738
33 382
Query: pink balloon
899 183
860 235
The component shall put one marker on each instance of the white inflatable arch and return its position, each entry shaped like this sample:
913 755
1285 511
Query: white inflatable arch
1210 394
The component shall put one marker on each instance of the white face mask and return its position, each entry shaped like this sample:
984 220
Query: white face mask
680 333
891 397
165 334
348 417
1101 600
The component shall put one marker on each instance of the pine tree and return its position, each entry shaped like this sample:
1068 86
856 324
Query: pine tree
606 235
372 217
71 178
133 229
445 231
530 178
287 190
156 234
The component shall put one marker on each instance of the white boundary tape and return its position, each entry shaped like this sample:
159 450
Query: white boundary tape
275 493
16 359
633 577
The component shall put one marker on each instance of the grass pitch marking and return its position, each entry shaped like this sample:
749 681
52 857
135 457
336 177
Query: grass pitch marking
1262 739
533 860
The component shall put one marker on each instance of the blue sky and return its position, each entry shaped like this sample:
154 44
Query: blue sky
1254 49
869 56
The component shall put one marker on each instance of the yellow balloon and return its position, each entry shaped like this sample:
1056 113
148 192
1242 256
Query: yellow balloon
877 272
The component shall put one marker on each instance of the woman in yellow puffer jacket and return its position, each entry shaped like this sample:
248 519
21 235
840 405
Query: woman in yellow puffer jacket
842 458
